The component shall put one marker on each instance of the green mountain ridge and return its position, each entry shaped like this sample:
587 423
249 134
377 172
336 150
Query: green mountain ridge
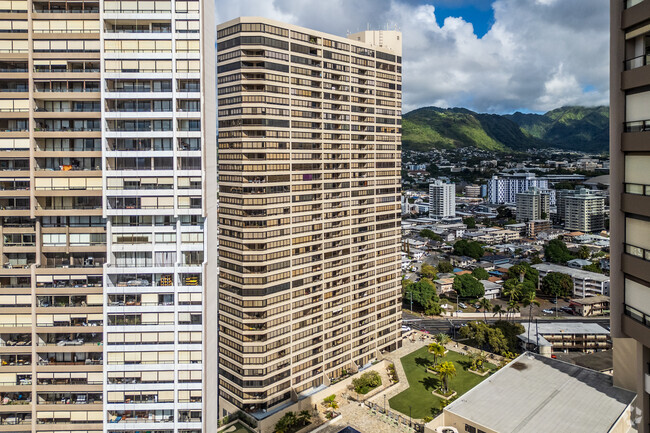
570 128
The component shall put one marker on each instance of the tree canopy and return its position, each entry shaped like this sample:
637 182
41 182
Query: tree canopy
429 234
480 274
468 287
529 273
470 249
556 251
470 222
428 271
557 284
444 267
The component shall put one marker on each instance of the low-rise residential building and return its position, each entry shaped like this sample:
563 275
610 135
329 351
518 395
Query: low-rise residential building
585 283
444 285
492 289
534 394
591 306
578 263
461 261
550 337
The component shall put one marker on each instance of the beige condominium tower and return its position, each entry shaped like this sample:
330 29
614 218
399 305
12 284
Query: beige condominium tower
106 132
630 199
309 209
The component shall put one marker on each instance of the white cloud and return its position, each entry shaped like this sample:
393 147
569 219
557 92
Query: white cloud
538 55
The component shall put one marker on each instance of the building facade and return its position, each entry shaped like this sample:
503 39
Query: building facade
532 205
442 199
309 184
473 191
630 199
585 283
103 214
584 211
504 188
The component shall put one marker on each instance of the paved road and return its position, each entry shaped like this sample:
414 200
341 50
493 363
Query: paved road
445 325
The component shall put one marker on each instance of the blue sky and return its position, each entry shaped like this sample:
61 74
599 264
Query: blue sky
496 56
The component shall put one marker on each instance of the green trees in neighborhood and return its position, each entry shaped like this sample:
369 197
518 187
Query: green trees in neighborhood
290 422
499 337
470 222
480 274
445 267
556 251
429 234
428 271
470 249
468 287
424 296
557 284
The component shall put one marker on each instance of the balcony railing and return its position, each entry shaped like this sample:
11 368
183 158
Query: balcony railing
637 315
637 189
635 62
642 253
637 126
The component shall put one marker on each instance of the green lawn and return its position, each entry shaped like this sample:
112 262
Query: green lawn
418 396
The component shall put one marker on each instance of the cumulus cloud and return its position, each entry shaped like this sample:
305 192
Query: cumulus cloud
538 55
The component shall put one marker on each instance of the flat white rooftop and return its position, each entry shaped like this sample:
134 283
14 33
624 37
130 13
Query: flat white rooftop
535 394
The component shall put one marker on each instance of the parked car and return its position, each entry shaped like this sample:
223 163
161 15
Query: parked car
406 328
547 311
461 305
553 301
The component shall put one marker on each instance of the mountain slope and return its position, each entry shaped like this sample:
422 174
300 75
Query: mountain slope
432 127
571 128
575 128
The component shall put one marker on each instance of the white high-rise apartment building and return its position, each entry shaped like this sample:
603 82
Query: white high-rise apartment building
503 189
533 205
108 127
442 199
584 211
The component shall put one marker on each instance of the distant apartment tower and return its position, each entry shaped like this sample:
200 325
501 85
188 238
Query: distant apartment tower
309 175
442 199
504 188
584 211
533 204
560 202
630 199
106 119
472 191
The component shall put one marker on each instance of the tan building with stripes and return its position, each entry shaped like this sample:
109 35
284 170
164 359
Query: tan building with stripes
309 208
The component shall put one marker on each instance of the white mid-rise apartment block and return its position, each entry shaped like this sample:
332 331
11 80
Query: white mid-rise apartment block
442 199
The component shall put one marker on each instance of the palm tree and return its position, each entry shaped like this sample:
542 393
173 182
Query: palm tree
442 338
513 307
497 309
437 350
486 305
446 371
529 301
304 417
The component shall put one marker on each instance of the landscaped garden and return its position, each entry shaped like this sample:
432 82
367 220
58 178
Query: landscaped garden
418 400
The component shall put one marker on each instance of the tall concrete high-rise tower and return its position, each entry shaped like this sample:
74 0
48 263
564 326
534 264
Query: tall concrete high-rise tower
107 119
309 208
630 200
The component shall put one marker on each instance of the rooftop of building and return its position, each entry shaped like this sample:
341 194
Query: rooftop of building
539 329
591 300
575 273
535 394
